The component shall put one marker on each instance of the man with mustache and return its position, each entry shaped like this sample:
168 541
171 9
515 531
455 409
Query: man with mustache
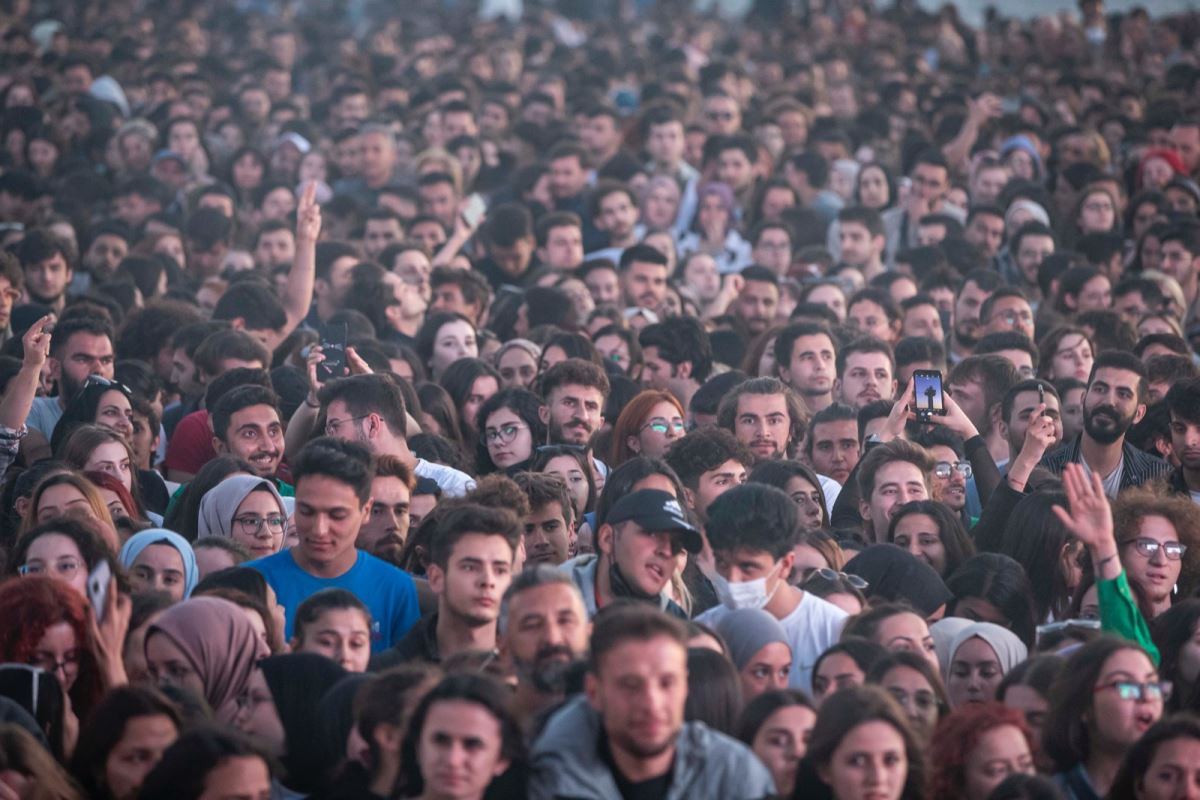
1183 403
574 392
643 277
246 424
386 528
967 327
765 415
543 630
1114 401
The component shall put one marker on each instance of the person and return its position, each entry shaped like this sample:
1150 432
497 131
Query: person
245 509
708 462
648 425
66 549
990 587
750 529
510 428
866 369
333 484
1036 539
931 532
209 763
800 483
613 742
549 532
574 392
916 685
385 531
765 415
1183 402
980 655
28 767
805 357
833 445
79 348
159 560
246 424
122 741
776 725
1026 688
758 647
714 690
890 475
335 624
470 567
843 666
1156 533
1162 764
975 748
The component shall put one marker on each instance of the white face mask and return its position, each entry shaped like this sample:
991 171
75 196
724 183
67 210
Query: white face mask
744 594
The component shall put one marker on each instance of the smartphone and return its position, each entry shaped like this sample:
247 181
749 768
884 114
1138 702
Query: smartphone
97 587
1041 393
928 397
474 209
333 347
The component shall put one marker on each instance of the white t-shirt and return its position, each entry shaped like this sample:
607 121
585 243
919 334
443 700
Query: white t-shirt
452 482
831 489
813 627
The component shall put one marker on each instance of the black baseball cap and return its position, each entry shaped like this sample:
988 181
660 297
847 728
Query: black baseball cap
656 511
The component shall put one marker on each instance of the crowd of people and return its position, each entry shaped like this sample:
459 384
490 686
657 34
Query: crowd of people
608 400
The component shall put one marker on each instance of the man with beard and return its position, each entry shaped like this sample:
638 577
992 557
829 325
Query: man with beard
385 530
967 328
678 357
1115 399
246 424
47 266
643 271
79 347
1183 404
765 415
758 302
543 630
575 392
866 372
471 566
549 529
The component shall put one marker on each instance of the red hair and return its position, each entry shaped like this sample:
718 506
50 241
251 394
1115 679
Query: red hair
957 735
29 606
105 480
633 419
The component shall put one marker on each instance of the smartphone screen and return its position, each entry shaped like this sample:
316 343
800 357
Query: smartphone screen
333 347
928 397
97 587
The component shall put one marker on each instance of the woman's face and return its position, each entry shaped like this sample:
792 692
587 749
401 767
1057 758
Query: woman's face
459 750
661 206
975 672
766 670
766 362
1072 412
1030 703
159 568
42 155
569 470
517 368
1156 173
613 348
702 277
313 168
1095 295
258 523
184 140
454 340
832 298
257 716
115 412
509 440
481 391
553 356
1021 164
873 188
1098 214
169 666
918 534
659 429
1172 773
1072 358
1001 751
808 498
713 216
781 741
1155 575
247 171
1189 656
58 499
907 632
137 751
869 762
1115 723
916 696
57 556
113 458
58 652
807 558
836 672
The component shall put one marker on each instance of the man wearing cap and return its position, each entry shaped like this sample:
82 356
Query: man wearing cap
637 545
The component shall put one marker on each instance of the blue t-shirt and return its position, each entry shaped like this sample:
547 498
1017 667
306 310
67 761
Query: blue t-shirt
386 590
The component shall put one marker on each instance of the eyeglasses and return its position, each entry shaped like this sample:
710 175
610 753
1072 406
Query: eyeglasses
661 425
942 469
726 116
252 525
1132 690
51 663
332 425
504 434
65 568
833 576
1148 547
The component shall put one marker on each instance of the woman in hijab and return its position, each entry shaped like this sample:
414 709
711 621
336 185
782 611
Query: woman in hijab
981 654
758 647
208 646
247 509
892 573
714 230
159 560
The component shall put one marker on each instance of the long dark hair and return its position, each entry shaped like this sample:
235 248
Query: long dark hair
104 728
183 517
542 456
955 542
777 473
185 766
714 694
458 380
1002 582
83 407
1141 755
524 404
1172 630
1034 537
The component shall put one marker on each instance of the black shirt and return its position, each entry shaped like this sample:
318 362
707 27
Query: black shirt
652 789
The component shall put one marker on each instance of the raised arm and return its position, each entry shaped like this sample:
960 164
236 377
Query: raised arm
298 296
18 399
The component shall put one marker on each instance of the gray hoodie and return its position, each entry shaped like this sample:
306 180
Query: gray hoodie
582 570
567 765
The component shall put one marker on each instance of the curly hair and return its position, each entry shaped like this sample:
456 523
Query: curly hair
1134 505
957 735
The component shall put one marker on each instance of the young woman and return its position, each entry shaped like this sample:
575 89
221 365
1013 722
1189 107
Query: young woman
209 763
572 466
800 483
844 665
99 402
382 710
1158 537
917 686
648 425
894 627
160 560
990 587
1162 765
207 646
122 741
246 509
980 655
1176 633
1082 289
517 362
124 509
776 725
510 429
445 338
844 591
1026 688
714 230
714 694
933 533
1036 539
66 492
758 646
29 770
470 383
874 187
975 748
1066 352
65 549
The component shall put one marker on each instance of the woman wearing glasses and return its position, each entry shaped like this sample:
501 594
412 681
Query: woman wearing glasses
64 549
1158 538
648 426
509 426
247 509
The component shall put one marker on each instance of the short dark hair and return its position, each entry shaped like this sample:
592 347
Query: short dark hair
761 274
834 412
995 373
912 349
543 489
236 400
369 394
704 450
326 600
985 309
887 453
787 337
555 219
1120 359
755 516
38 245
185 765
64 330
622 622
681 340
643 253
346 462
864 344
472 284
254 303
881 298
1029 385
506 224
707 399
226 382
1183 399
1007 340
225 344
575 372
869 218
459 520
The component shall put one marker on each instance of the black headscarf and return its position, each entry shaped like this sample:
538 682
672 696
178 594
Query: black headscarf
893 573
297 682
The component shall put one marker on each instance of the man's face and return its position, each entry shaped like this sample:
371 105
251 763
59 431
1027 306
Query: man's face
645 285
449 297
547 630
665 142
722 117
474 578
380 233
966 313
84 354
1023 407
867 377
604 286
639 689
1186 141
47 281
9 295
328 517
929 182
869 318
548 535
184 373
564 248
567 177
763 424
132 209
1111 405
439 201
600 135
385 530
859 247
716 482
645 558
1031 252
514 259
104 254
924 320
811 371
1010 314
757 305
1185 442
255 434
735 169
574 413
658 372
617 216
971 399
1131 305
896 483
458 123
275 249
773 251
1178 263
987 186
986 232
835 448
378 157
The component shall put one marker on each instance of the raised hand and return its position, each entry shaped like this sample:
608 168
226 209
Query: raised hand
36 342
1089 517
955 418
900 414
308 215
1040 435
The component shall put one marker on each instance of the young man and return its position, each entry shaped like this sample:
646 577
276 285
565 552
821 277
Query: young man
471 566
677 355
560 241
575 392
758 302
246 425
890 475
873 312
614 209
549 529
544 630
862 240
751 530
627 736
866 372
45 261
636 548
335 624
1183 402
765 416
643 271
461 291
79 347
976 288
385 531
1017 348
806 359
1007 310
709 462
920 317
832 446
978 384
333 493
1115 400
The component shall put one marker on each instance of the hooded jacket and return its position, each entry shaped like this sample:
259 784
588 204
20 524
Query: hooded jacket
582 570
567 765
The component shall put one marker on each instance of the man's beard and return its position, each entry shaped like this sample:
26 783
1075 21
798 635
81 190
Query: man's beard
1105 434
558 434
68 387
545 673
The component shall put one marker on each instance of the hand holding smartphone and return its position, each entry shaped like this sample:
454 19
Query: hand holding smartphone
333 347
928 398
97 587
